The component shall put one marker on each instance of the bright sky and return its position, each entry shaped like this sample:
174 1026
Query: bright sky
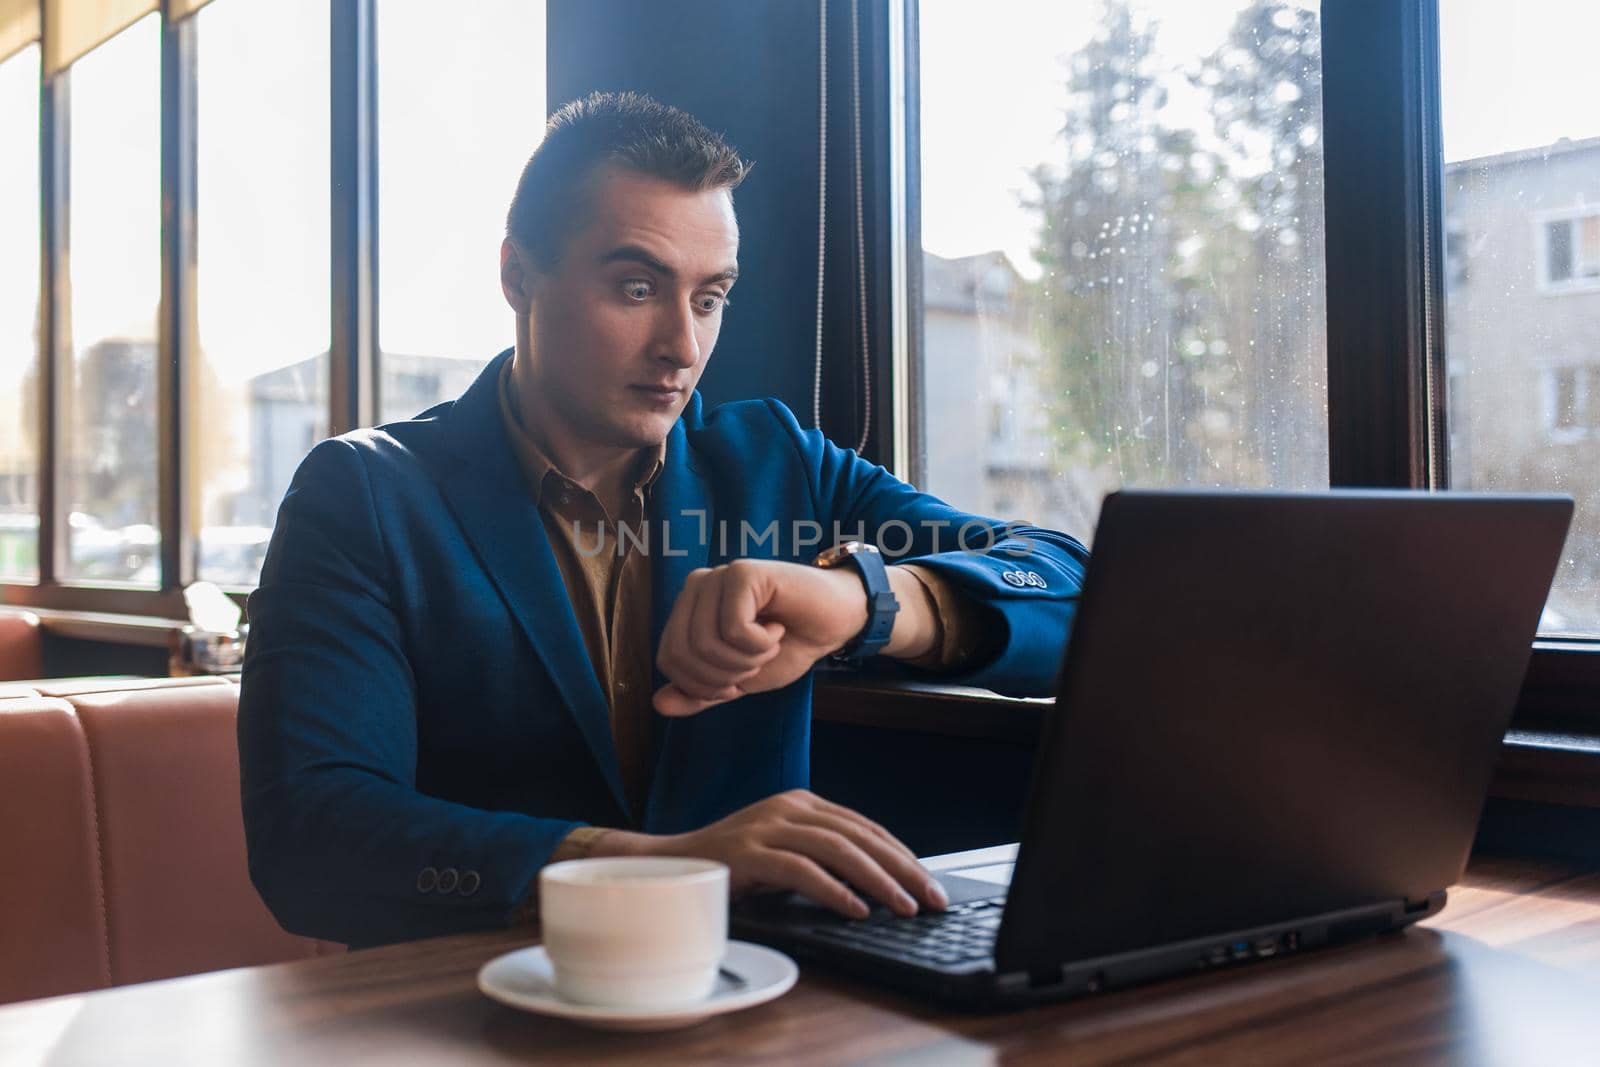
1517 75
459 114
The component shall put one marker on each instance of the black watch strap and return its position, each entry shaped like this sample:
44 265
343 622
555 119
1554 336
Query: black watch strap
881 606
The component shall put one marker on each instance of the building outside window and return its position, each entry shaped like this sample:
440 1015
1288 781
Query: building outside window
1522 306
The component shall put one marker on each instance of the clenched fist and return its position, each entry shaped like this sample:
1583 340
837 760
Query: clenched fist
754 625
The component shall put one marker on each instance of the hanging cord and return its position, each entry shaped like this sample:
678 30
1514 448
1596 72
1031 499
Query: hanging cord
861 231
822 199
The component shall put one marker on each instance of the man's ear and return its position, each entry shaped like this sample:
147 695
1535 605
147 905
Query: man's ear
516 278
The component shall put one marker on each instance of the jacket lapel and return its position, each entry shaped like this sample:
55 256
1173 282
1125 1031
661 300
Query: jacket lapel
493 506
681 518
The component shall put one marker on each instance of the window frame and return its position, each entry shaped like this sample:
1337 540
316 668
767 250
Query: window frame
1388 417
353 371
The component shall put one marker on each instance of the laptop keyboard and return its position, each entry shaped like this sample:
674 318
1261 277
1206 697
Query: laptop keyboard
959 934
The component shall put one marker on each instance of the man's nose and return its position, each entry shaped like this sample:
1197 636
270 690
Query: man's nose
677 340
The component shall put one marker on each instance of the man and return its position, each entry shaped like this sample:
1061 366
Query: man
449 680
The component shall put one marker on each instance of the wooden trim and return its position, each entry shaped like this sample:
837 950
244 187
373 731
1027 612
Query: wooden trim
142 630
113 601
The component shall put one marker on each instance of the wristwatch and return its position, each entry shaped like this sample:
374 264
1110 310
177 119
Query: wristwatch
881 602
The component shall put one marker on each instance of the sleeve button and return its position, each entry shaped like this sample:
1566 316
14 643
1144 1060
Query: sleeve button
469 883
427 879
448 879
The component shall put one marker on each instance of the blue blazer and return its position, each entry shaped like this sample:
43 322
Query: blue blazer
419 722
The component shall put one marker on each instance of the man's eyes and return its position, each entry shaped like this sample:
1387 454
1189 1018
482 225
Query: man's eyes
639 290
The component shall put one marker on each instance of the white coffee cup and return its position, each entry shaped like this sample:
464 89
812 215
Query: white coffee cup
635 931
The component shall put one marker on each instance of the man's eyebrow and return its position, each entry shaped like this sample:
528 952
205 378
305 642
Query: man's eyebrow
635 254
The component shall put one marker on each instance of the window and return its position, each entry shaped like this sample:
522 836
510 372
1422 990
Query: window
258 394
108 431
1122 219
1522 158
19 316
1571 251
451 148
251 246
1571 402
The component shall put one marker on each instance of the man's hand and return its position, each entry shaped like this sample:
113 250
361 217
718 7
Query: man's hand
750 626
797 840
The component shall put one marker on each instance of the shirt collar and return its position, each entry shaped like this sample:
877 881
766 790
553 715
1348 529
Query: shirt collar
537 466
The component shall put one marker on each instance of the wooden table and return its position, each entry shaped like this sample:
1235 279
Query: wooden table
1508 973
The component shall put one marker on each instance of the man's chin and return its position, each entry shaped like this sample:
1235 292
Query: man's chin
646 431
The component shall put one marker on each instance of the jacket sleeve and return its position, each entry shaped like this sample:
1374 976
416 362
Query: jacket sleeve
1024 578
337 832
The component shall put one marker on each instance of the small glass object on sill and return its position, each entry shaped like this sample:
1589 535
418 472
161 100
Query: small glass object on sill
213 642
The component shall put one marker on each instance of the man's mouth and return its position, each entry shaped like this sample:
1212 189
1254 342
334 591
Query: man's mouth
658 396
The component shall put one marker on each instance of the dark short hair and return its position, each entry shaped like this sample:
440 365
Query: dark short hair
610 129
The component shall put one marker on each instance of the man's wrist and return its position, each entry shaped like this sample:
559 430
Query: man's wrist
853 594
916 624
628 843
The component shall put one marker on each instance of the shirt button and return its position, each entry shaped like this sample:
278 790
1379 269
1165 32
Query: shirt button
469 883
427 878
622 687
448 879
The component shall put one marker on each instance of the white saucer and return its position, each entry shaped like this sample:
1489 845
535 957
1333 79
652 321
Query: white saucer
523 979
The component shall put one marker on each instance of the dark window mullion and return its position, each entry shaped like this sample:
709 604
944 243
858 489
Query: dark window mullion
352 371
913 465
1380 115
55 340
176 346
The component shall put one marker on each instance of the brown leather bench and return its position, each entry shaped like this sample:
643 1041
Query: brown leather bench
21 645
122 839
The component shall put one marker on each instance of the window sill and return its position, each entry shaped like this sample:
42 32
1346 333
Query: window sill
1554 758
1545 765
147 631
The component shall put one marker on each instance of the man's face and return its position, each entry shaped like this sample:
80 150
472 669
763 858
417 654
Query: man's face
623 324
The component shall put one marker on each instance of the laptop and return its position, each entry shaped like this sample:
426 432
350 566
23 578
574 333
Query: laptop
1274 729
